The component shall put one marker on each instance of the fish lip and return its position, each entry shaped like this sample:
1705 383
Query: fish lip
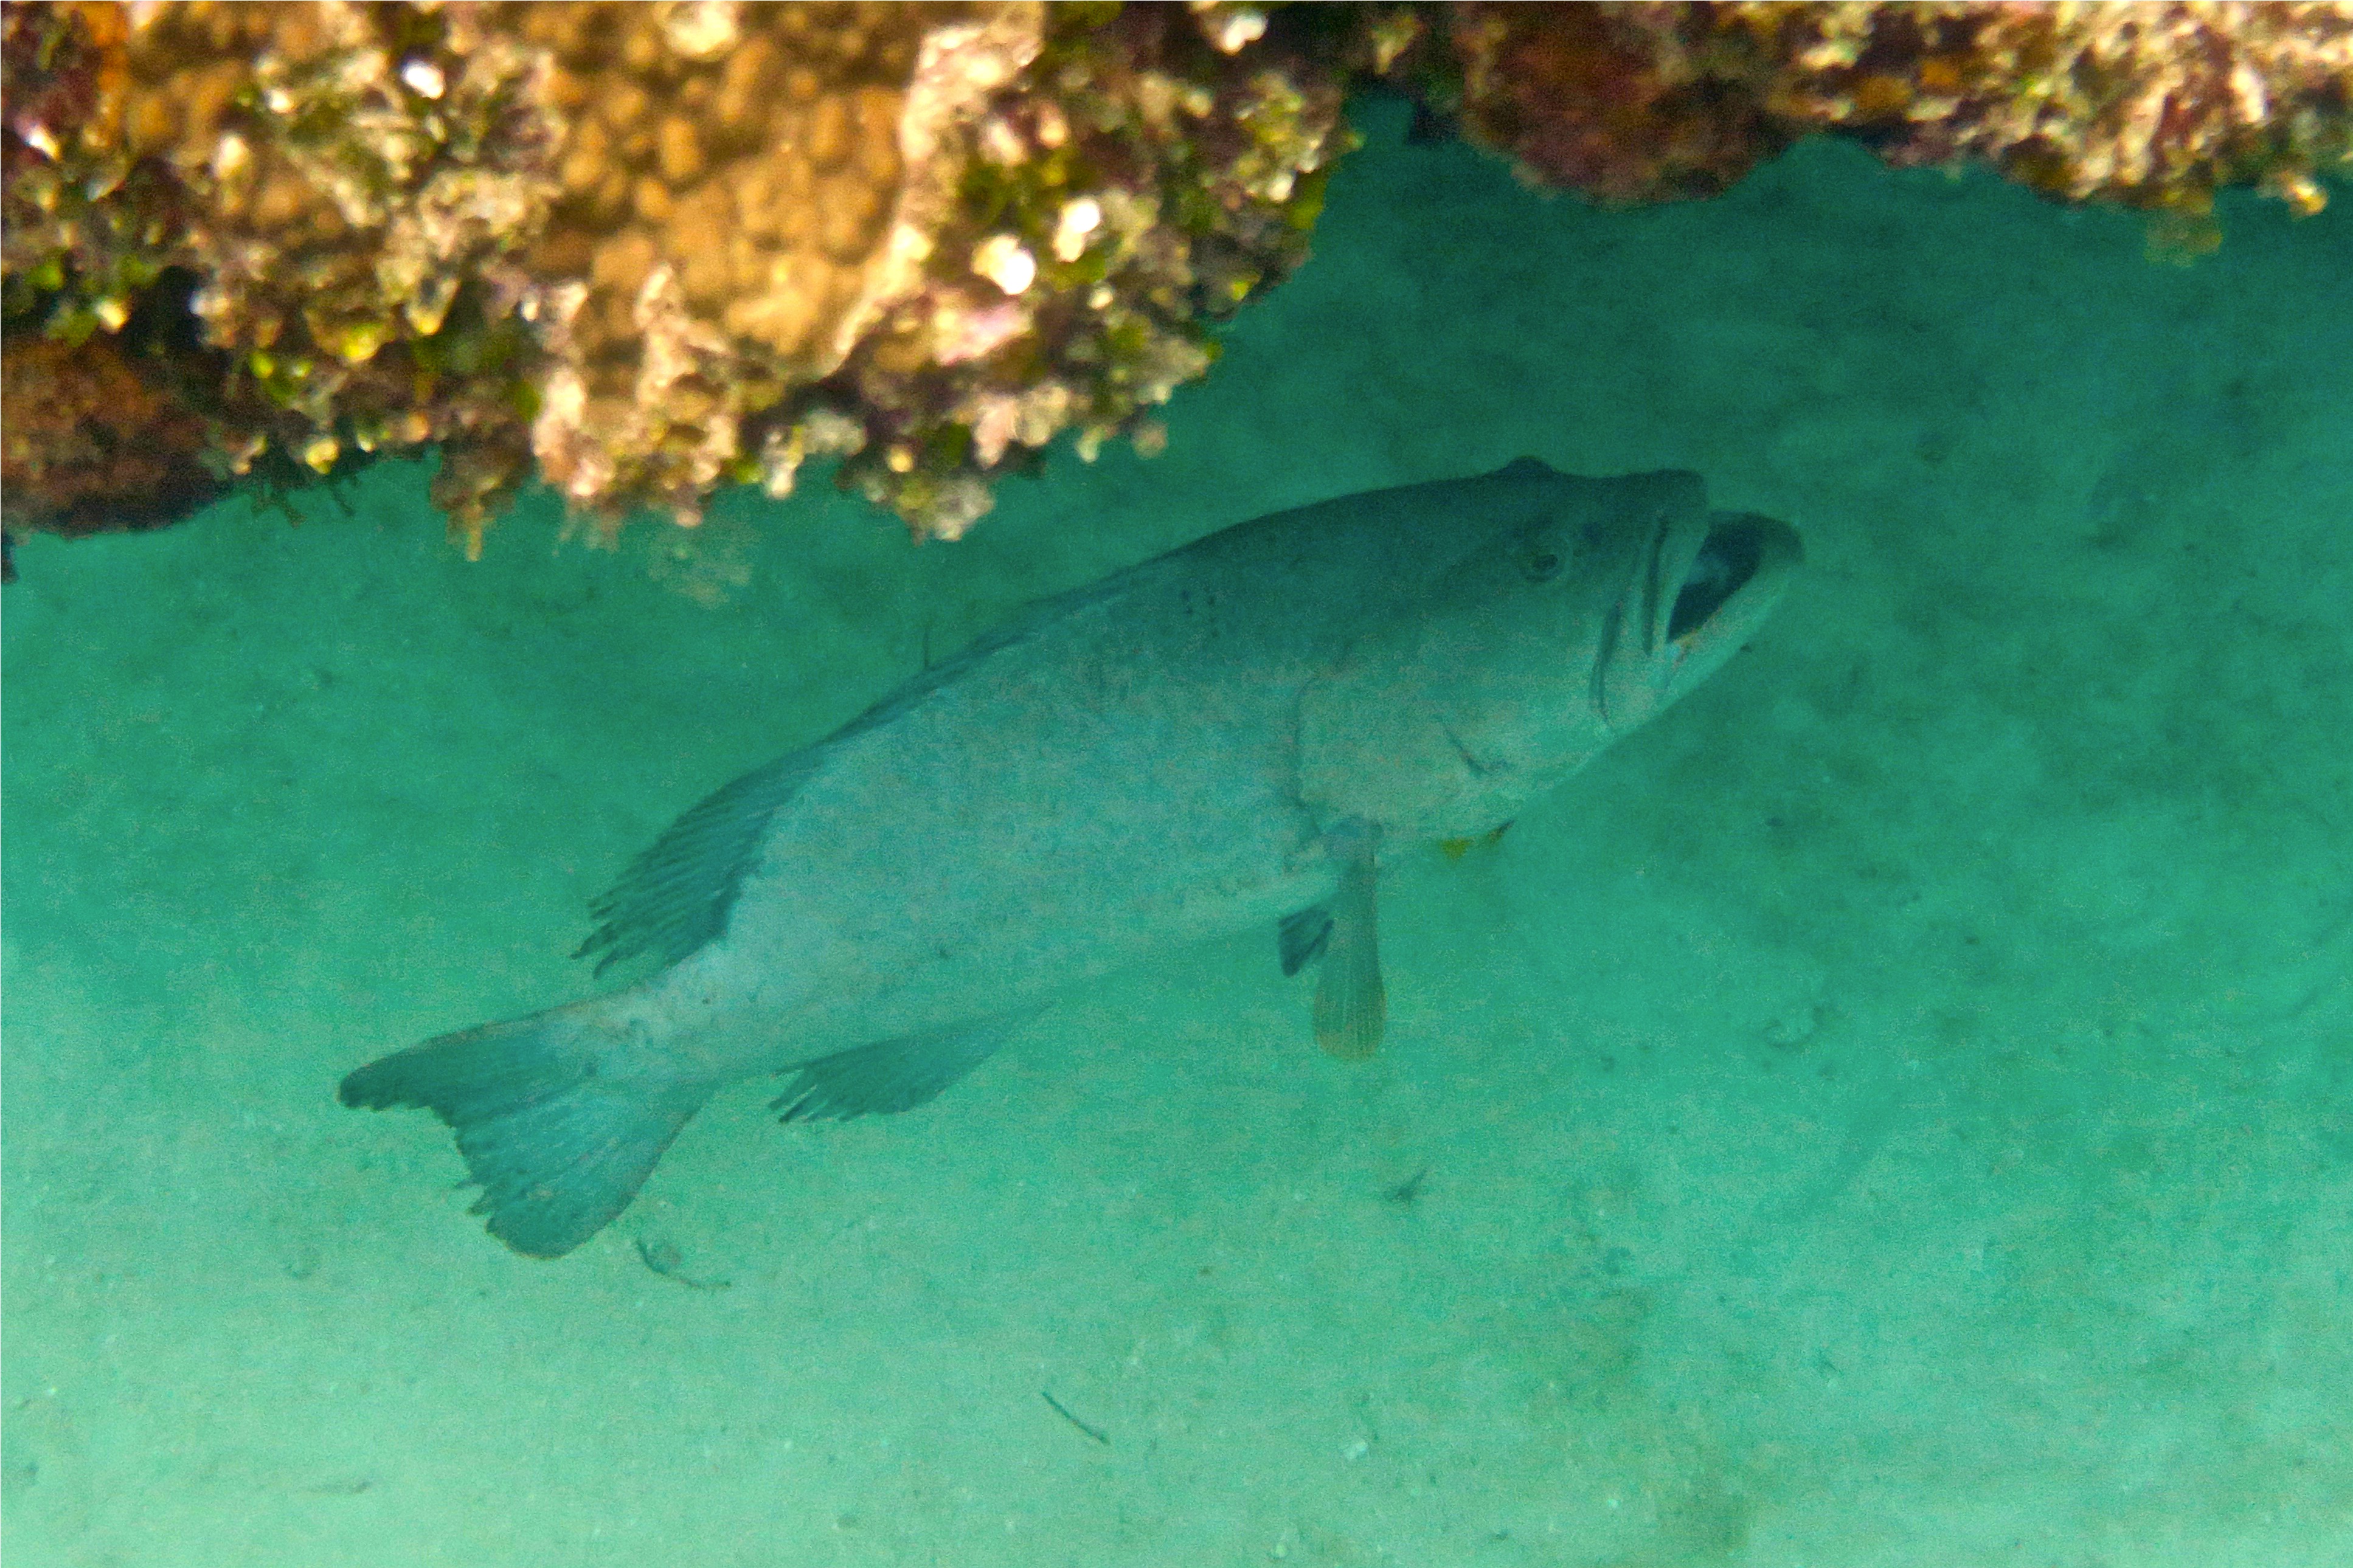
1633 633
1703 582
1731 558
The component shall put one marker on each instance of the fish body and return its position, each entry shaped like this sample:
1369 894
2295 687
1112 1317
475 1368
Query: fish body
1231 733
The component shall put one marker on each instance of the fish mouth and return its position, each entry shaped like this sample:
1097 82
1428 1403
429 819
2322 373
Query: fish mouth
1739 549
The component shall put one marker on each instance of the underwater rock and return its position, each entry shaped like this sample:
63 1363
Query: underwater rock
2153 105
647 250
91 446
643 251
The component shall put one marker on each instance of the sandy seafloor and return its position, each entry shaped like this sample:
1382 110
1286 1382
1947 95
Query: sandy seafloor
1897 1111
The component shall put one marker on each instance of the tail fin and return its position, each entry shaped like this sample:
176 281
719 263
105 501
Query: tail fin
557 1149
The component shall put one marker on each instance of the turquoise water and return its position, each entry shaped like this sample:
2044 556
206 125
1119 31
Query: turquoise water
1897 1110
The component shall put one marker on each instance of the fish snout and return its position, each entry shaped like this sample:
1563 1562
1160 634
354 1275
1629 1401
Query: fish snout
1742 552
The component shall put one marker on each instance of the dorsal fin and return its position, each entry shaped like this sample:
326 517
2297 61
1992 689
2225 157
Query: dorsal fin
676 894
1525 468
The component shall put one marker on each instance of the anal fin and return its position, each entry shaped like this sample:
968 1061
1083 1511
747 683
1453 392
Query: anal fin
891 1075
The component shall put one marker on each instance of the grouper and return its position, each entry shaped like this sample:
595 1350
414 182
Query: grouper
1237 732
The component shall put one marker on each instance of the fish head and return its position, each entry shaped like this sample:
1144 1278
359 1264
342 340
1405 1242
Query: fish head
1574 611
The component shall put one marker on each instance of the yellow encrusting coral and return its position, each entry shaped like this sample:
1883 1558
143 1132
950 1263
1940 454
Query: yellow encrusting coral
741 192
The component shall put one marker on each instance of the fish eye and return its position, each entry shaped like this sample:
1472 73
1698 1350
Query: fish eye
1540 565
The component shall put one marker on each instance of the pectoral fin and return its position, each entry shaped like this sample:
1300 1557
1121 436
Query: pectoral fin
1301 937
1350 1006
